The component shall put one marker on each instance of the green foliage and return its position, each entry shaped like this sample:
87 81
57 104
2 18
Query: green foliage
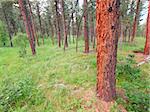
19 93
3 35
134 86
20 40
137 99
66 79
75 104
128 69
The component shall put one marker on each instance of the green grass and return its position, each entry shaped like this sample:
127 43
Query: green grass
60 80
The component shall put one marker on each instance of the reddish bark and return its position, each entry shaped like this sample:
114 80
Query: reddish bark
27 22
33 26
107 24
86 37
64 25
147 44
135 20
57 23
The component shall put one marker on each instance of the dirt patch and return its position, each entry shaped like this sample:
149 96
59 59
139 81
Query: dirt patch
91 103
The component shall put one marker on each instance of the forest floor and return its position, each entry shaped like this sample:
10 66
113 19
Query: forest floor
58 81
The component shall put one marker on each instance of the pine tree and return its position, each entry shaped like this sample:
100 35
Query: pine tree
107 24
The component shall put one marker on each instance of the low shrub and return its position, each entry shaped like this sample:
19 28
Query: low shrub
21 41
19 94
128 69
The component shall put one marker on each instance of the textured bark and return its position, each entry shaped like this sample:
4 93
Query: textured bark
27 21
147 44
86 37
135 21
107 24
64 25
57 24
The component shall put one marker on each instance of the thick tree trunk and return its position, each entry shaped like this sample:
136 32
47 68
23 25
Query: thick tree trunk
86 37
57 24
147 44
64 25
27 21
135 20
107 23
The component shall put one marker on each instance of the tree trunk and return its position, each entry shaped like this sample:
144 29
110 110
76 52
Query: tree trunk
40 22
73 29
64 25
52 31
107 23
57 24
91 26
135 21
147 44
33 26
27 21
86 37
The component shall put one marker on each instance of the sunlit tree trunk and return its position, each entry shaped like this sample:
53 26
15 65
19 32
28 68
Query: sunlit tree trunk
27 21
86 37
147 44
135 20
107 24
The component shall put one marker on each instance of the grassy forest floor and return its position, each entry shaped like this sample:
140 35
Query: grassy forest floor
58 81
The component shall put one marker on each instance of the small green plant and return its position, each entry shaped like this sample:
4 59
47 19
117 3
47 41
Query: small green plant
134 86
20 40
74 105
3 35
128 70
137 99
18 94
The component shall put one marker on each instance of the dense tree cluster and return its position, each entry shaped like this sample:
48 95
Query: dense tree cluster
65 21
